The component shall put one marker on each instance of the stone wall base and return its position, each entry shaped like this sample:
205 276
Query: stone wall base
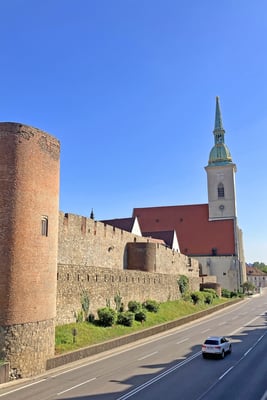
27 347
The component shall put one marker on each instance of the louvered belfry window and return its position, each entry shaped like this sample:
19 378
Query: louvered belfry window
220 190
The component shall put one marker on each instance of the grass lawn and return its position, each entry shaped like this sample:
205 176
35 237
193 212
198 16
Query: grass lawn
90 333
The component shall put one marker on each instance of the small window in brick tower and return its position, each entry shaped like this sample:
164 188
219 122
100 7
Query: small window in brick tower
44 225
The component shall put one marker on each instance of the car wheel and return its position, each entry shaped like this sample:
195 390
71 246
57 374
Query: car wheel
204 355
230 349
222 355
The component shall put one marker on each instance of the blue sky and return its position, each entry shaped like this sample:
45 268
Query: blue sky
129 87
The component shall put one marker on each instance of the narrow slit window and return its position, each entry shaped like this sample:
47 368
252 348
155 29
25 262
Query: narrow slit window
44 225
220 190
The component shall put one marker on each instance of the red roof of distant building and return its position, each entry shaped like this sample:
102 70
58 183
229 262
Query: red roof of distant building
196 234
253 271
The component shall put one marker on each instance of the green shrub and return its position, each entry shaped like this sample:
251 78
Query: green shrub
197 297
79 316
134 306
234 294
85 302
106 316
140 316
151 305
208 298
125 318
117 300
183 283
226 293
212 292
91 317
187 297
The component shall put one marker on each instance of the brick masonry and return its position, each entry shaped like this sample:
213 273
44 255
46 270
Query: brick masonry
29 175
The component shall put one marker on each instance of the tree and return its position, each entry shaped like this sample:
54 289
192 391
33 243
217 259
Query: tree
248 287
260 265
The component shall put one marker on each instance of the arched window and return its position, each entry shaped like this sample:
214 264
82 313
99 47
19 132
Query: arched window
44 225
220 190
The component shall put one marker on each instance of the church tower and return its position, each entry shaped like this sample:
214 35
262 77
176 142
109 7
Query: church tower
220 175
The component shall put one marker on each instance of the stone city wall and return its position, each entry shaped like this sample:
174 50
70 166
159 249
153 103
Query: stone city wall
103 261
84 241
103 284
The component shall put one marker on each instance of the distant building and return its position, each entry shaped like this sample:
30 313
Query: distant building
256 277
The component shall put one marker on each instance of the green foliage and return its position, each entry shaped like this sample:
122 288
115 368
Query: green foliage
187 297
106 316
198 297
151 305
140 316
91 318
134 306
92 333
208 298
226 293
117 300
183 283
108 303
212 292
248 287
85 301
79 316
125 318
260 265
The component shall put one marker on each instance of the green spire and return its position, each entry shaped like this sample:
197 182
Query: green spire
220 153
218 126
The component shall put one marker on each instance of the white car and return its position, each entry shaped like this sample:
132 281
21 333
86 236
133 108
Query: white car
217 346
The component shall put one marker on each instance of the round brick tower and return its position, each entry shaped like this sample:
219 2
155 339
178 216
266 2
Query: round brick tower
29 201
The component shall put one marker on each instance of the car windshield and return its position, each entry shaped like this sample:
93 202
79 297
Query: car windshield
211 341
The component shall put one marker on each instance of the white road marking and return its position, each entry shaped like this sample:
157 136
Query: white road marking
248 351
158 377
74 387
148 355
183 340
23 387
226 372
264 397
206 330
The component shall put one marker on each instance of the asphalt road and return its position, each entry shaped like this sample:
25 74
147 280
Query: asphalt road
168 366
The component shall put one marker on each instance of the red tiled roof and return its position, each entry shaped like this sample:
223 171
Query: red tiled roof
253 271
196 234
